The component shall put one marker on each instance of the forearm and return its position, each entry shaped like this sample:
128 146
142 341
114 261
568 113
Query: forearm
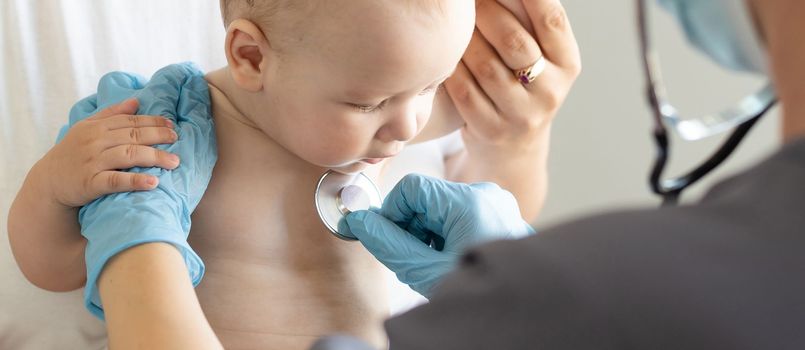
45 237
523 172
149 301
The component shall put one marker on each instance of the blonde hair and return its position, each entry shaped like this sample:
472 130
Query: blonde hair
277 16
262 12
257 11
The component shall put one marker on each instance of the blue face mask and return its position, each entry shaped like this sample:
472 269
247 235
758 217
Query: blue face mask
724 30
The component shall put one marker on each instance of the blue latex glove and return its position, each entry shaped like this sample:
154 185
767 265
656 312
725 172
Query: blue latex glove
119 221
426 223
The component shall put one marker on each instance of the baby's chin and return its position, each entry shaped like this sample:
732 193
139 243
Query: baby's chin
352 168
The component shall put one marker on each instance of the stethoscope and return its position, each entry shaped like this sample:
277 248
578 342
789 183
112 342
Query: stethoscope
741 118
339 194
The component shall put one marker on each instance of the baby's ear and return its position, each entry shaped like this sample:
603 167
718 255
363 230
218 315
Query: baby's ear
246 51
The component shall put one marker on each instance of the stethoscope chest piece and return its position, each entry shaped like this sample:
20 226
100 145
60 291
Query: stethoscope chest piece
338 195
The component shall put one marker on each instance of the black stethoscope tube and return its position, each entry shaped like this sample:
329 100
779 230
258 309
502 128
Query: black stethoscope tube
672 188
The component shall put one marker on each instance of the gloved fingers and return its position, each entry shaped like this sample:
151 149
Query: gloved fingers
129 156
419 229
418 195
415 263
389 243
425 206
454 213
491 194
117 181
140 136
500 212
437 242
136 121
415 227
128 106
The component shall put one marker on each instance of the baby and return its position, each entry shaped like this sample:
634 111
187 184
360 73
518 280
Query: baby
309 86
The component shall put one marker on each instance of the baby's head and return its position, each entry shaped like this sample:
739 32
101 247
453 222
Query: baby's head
341 82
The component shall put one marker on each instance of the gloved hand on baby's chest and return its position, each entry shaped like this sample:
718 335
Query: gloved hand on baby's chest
425 224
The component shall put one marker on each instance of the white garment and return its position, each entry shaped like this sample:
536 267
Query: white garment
54 53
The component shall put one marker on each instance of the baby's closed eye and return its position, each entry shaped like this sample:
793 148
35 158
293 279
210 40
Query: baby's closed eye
369 108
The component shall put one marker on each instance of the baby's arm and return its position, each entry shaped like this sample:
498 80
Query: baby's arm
43 221
150 302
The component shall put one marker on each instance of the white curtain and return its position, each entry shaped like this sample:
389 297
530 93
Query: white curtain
54 52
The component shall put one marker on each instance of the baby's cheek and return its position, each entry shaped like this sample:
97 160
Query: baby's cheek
339 149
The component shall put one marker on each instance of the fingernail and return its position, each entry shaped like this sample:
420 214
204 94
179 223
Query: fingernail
169 123
174 158
174 135
151 181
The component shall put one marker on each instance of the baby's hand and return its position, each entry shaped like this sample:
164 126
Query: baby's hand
85 164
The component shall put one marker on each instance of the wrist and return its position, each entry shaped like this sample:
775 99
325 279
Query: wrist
41 184
528 146
527 155
521 169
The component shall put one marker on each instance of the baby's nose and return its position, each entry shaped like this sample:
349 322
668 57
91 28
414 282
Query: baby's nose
402 126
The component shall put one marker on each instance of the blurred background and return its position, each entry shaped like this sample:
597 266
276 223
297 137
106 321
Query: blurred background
54 52
602 146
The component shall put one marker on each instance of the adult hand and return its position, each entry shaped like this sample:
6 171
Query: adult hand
426 223
507 121
502 114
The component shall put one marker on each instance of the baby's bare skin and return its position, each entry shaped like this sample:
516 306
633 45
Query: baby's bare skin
276 278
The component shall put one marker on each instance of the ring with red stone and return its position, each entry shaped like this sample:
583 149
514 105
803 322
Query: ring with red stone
528 74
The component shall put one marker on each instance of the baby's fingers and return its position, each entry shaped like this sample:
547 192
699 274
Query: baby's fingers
136 121
129 156
107 182
140 136
126 107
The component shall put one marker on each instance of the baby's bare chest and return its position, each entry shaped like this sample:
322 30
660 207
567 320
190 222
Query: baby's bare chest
273 271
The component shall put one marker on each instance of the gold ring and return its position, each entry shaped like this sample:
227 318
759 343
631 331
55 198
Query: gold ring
528 74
